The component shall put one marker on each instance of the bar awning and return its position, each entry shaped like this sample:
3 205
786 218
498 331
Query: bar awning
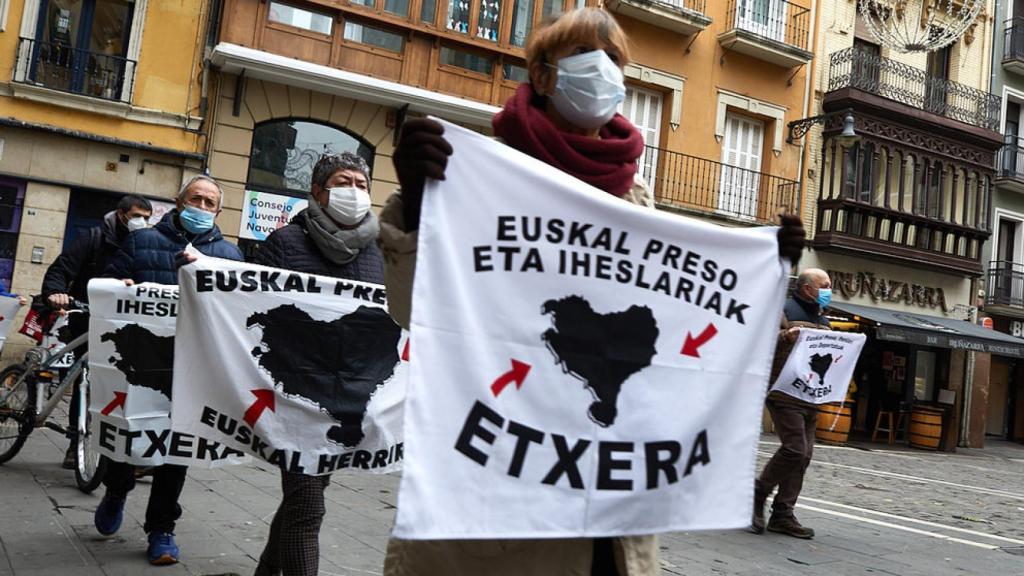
925 330
271 67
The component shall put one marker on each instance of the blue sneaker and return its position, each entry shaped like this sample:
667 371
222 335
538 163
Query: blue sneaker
162 549
109 515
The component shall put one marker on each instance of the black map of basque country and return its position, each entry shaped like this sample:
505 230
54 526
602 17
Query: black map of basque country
602 350
337 365
820 363
146 359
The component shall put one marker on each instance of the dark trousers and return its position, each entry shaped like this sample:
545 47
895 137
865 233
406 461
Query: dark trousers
163 509
293 548
78 324
795 425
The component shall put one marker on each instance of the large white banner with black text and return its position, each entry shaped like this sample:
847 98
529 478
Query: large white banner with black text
581 366
131 357
820 366
303 371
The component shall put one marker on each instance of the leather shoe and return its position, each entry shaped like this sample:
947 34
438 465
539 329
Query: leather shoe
789 526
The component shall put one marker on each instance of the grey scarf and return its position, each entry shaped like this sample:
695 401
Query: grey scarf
338 245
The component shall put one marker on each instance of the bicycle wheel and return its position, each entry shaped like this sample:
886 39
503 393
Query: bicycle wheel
89 465
17 413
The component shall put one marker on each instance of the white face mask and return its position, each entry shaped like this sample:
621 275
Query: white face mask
137 223
348 205
589 89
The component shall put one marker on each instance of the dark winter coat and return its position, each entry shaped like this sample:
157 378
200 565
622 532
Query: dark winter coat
797 314
148 255
84 259
290 247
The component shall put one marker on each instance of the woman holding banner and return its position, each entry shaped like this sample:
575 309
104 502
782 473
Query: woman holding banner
565 116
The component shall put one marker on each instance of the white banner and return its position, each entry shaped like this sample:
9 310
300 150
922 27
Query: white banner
302 371
263 213
582 366
131 356
8 309
820 366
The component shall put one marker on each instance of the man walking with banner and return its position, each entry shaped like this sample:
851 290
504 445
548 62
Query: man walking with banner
810 368
153 255
84 259
335 236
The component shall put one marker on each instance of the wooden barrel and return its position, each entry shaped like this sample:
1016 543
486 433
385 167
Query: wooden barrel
833 423
925 428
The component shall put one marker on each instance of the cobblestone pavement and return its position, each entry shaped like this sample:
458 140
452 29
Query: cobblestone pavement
876 510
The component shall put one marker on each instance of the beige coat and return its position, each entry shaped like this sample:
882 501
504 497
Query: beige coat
635 555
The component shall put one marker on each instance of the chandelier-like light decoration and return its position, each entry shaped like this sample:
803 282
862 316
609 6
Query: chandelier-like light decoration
919 25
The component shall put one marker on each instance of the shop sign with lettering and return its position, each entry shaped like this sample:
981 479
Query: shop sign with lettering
850 285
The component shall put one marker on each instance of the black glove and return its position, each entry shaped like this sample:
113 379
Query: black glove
183 259
422 153
791 238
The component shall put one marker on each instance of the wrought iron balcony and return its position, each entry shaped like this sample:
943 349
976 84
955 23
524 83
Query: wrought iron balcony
58 66
776 31
693 184
1010 165
683 16
1005 285
1013 46
865 70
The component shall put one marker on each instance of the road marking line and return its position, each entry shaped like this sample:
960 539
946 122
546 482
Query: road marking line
915 520
989 491
898 527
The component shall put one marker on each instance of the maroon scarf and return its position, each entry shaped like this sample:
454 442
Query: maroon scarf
607 163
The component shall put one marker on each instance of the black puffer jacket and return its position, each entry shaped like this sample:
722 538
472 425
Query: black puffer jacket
83 260
291 248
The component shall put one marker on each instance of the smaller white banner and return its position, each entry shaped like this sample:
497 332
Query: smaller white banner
263 212
8 308
131 357
820 366
305 372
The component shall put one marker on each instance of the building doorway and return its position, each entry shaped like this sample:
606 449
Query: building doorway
741 158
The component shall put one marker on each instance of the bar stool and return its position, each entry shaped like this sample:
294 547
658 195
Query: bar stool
889 429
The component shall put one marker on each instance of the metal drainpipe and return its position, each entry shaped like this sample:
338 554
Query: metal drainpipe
965 416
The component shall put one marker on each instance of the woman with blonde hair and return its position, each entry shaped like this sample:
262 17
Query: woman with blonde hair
565 116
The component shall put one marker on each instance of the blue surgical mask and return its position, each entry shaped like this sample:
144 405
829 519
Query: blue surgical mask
195 220
824 297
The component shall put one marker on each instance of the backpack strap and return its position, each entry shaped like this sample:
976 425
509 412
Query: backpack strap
96 246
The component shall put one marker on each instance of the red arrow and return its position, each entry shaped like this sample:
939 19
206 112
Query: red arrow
118 401
692 344
405 352
264 400
517 374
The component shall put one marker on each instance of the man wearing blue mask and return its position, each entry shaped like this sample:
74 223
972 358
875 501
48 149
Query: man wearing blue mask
794 419
153 255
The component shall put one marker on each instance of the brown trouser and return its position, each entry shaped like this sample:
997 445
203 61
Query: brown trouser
794 423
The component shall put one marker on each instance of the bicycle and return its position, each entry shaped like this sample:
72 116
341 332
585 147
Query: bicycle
32 389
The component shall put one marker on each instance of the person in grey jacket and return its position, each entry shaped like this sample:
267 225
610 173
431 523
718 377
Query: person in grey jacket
335 236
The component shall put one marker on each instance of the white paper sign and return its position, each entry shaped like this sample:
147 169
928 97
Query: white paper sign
581 366
131 357
302 371
263 213
820 366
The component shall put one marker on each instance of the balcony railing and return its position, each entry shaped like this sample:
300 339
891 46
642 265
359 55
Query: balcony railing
701 185
851 225
1005 286
776 20
58 66
1013 43
867 71
1010 161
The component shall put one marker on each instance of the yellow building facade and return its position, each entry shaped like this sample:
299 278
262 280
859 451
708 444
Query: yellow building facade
97 98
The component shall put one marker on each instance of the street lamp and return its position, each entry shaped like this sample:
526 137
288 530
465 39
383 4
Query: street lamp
848 137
